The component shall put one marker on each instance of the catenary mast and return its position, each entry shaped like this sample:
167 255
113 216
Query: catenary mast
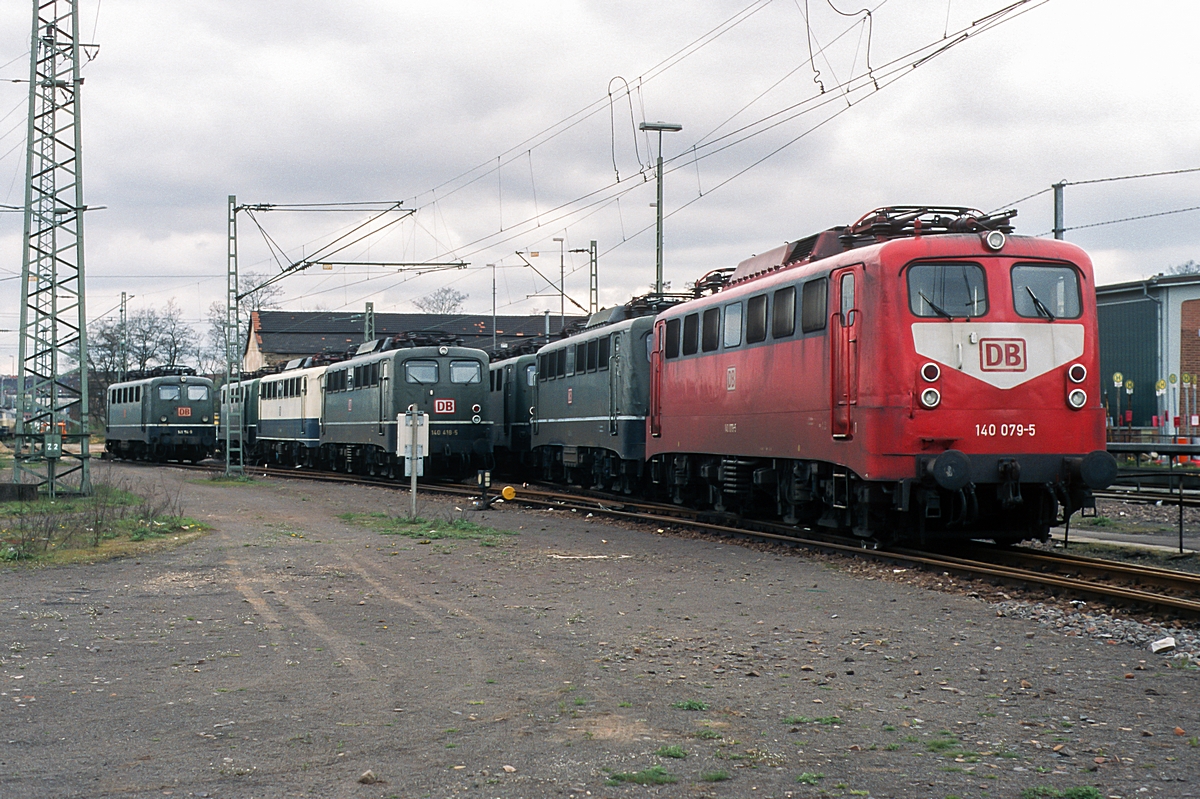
52 379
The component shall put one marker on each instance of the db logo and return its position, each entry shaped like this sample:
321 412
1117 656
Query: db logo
1002 354
443 406
183 410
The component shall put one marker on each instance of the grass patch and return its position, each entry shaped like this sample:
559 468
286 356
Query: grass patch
707 734
714 776
810 778
426 530
830 720
1047 792
674 750
221 477
655 775
111 522
690 704
892 747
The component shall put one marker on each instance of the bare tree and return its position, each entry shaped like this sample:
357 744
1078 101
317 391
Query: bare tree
1187 268
444 300
265 298
144 339
176 337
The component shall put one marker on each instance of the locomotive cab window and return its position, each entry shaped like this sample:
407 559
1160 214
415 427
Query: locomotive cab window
814 298
1048 291
168 393
531 373
671 348
783 321
423 372
691 333
756 319
733 324
197 393
466 372
711 337
949 291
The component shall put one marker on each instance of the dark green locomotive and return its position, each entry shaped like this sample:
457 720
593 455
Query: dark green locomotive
165 414
366 398
589 423
511 387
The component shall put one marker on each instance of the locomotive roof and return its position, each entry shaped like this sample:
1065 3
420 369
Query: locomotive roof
178 378
880 225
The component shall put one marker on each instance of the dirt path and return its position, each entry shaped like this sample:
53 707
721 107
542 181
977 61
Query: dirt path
290 651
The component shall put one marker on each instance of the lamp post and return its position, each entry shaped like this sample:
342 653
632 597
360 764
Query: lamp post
493 266
562 293
660 127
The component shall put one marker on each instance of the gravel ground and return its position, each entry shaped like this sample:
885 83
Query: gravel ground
290 651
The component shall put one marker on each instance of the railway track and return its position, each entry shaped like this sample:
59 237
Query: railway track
1165 591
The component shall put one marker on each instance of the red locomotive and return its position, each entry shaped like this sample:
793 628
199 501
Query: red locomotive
919 376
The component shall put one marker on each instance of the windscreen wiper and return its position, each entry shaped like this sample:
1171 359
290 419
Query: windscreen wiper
1037 304
937 309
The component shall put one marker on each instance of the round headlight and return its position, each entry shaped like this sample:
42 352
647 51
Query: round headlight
443 350
162 418
475 419
475 408
931 372
931 398
1077 373
205 418
1077 398
993 240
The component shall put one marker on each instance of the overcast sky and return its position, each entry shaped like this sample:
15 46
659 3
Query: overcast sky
493 121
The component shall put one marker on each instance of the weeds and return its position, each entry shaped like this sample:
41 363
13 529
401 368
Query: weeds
1046 792
707 734
655 775
428 529
830 720
690 704
674 750
70 528
809 778
714 776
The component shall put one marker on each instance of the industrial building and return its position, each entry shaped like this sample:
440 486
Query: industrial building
1150 335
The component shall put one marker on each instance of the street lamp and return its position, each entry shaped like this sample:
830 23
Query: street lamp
562 294
660 127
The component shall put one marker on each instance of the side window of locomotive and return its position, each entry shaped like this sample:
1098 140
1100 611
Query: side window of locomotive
756 319
691 333
423 372
733 324
672 348
561 365
593 354
949 291
603 349
847 292
543 368
466 372
1047 291
197 393
711 337
168 393
783 320
531 373
814 298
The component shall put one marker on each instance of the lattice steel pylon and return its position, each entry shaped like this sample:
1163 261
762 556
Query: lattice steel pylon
52 379
234 407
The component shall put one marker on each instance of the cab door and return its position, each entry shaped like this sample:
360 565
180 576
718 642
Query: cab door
845 324
656 380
